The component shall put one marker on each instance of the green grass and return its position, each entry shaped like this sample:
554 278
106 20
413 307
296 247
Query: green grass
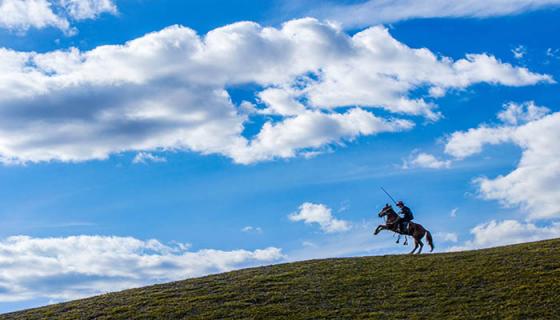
514 282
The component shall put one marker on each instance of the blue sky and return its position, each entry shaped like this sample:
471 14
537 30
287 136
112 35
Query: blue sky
180 154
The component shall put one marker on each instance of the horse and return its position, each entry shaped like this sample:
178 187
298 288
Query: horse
416 230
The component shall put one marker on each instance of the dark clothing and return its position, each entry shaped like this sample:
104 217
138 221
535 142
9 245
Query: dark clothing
407 216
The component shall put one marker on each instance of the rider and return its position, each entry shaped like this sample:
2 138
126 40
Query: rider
406 215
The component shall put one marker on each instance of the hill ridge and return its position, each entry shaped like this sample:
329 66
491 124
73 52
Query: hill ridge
512 282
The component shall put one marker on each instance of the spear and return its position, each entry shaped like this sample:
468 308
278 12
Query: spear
387 193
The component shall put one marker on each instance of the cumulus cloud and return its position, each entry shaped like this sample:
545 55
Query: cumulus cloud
370 12
146 157
313 129
168 90
532 185
516 114
498 233
425 160
87 9
446 237
462 144
79 266
21 15
320 214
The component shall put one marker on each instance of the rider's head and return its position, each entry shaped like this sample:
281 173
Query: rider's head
400 204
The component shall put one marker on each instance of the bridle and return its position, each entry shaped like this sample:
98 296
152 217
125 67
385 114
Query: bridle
385 215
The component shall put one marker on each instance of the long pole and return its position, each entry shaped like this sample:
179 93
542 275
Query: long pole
387 193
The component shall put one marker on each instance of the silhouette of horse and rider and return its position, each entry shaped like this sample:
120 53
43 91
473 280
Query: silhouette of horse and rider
404 226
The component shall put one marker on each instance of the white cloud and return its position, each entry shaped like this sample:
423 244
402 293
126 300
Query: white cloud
79 266
344 206
462 144
308 244
553 53
88 9
425 160
370 12
251 229
532 185
453 213
516 114
519 52
446 237
280 102
146 157
320 214
167 90
314 129
498 233
21 15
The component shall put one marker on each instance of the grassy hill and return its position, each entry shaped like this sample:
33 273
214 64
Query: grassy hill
514 282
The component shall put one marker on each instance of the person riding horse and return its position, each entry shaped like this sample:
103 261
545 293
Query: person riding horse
393 223
407 216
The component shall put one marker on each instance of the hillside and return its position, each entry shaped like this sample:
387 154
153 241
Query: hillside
514 282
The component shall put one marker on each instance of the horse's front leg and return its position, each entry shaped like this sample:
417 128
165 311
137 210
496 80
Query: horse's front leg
378 229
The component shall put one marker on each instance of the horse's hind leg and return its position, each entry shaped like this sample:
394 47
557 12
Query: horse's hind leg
415 246
421 246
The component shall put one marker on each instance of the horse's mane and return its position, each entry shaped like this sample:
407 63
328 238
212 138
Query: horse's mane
390 212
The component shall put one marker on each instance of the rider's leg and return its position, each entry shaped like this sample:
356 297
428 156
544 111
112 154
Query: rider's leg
407 225
398 224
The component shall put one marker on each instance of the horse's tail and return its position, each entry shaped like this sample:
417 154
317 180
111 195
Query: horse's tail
430 240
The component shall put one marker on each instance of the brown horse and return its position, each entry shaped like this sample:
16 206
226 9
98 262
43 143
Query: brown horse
415 230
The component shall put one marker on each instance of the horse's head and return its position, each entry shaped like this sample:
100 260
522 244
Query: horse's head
386 210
